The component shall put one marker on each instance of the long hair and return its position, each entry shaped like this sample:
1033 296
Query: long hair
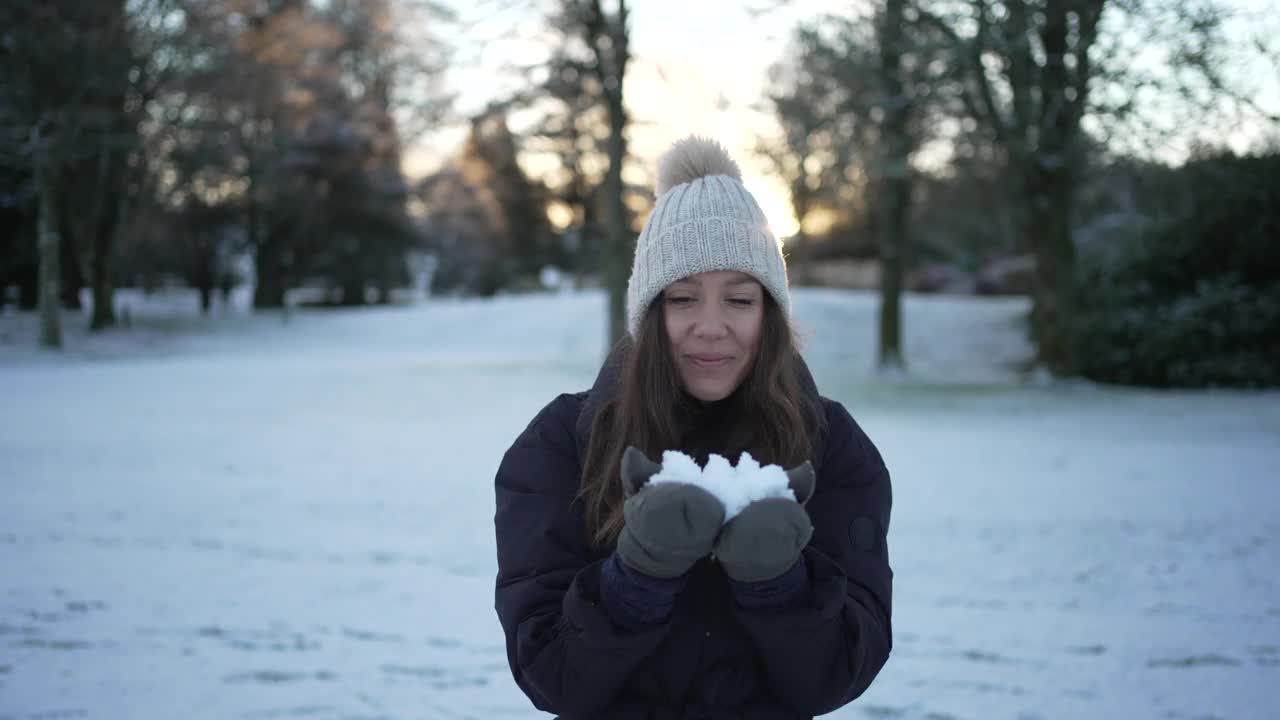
771 416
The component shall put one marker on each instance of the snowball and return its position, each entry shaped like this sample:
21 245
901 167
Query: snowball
677 467
719 478
734 487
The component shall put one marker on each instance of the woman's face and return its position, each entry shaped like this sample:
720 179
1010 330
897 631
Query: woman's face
713 320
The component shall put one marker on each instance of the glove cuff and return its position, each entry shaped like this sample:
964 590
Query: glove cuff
633 600
783 592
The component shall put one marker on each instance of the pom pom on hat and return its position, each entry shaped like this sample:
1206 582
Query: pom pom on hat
692 158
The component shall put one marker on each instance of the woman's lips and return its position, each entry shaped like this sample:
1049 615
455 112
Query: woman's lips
709 361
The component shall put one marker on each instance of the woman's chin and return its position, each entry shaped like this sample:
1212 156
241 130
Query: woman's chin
709 391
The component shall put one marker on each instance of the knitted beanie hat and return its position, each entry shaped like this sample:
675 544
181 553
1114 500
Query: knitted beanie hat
704 220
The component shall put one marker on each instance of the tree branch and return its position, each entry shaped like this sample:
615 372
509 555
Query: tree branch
975 86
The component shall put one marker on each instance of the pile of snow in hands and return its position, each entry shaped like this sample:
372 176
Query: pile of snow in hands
735 487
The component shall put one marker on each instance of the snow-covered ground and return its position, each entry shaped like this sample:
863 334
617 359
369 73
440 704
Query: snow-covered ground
252 518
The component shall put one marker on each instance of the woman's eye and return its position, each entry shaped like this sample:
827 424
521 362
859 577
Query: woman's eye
679 300
742 302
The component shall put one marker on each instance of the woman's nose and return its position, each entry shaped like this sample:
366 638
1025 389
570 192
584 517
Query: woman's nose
709 322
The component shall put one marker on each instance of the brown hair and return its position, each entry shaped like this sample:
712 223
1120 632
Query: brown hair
773 418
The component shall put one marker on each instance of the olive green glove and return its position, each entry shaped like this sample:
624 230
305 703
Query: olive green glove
669 526
765 539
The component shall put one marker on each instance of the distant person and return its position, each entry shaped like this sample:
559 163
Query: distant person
627 599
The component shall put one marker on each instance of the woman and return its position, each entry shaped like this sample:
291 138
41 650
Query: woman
626 600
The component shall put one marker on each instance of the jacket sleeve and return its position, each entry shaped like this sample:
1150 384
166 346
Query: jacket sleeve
564 651
824 652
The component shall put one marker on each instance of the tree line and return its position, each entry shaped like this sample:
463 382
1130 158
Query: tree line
1027 111
162 137
167 136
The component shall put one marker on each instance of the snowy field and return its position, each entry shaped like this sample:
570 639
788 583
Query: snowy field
247 518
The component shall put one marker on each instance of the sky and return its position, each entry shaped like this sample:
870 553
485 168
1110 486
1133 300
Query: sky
697 67
701 67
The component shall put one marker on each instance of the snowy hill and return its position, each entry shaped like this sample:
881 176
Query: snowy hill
245 517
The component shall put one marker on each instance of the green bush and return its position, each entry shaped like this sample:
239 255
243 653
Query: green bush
1193 299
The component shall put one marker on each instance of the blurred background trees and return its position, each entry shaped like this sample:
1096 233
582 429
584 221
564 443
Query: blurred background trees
984 138
970 146
162 139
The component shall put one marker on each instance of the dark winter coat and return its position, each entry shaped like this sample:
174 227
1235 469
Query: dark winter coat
713 659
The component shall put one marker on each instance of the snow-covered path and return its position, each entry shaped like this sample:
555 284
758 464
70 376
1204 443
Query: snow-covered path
296 520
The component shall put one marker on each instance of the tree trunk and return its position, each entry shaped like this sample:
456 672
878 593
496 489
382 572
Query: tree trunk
268 291
70 277
50 246
895 184
620 246
29 289
803 274
273 260
804 244
386 273
896 198
1048 229
206 298
611 68
352 283
607 37
268 271
224 292
1050 175
99 271
104 311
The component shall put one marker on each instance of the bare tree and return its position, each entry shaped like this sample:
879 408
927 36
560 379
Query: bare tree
897 142
1025 70
73 83
593 68
854 101
607 35
821 139
288 112
567 130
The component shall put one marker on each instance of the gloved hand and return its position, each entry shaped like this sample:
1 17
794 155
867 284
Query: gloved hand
765 539
669 526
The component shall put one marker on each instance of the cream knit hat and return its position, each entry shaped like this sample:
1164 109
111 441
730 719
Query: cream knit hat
704 220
